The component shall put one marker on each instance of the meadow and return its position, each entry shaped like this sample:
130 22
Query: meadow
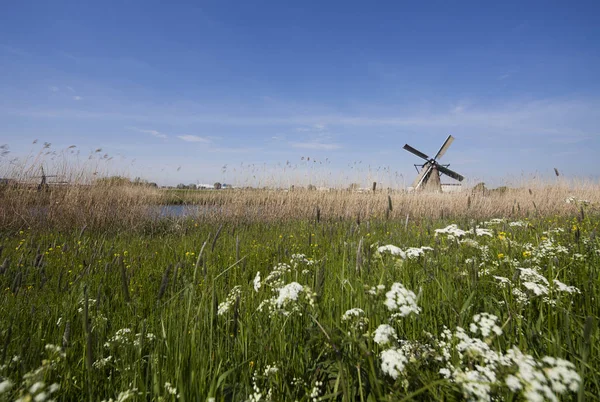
299 295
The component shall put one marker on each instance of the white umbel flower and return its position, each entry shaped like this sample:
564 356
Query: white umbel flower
384 334
289 292
257 282
5 386
393 250
393 362
402 300
353 312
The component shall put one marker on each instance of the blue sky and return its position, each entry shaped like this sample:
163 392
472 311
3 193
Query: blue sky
246 92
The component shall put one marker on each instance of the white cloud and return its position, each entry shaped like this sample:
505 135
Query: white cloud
193 138
154 133
71 89
313 128
77 98
316 145
53 89
13 50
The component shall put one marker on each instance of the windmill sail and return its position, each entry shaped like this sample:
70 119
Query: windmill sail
429 175
416 152
444 147
423 175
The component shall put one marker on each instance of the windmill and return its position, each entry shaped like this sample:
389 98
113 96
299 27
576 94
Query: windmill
43 184
431 170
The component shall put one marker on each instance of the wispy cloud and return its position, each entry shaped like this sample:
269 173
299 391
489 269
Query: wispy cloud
13 50
54 89
193 138
154 133
315 145
547 118
311 129
77 98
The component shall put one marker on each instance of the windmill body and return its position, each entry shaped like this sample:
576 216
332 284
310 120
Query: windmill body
428 178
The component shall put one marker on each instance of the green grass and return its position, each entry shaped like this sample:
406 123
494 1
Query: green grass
154 283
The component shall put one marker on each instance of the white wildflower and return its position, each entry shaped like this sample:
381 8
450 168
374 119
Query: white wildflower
561 287
485 324
393 250
494 221
561 374
536 288
270 369
520 296
375 290
171 390
275 277
101 363
354 312
257 282
402 300
503 282
316 391
513 383
288 293
393 362
470 243
476 384
5 386
416 252
384 334
482 232
36 387
234 294
451 230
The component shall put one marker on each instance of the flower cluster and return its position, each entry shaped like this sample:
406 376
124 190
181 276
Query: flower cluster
480 370
356 318
401 300
225 306
393 362
410 253
384 334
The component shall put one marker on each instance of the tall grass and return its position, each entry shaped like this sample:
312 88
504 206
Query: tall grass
136 314
298 295
118 206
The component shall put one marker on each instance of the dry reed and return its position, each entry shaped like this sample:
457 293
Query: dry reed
90 202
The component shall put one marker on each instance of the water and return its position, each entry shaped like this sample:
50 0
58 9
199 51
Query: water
182 211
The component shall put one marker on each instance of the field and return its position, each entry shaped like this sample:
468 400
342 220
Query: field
273 295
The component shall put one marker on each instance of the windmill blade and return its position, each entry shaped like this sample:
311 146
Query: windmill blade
416 152
450 173
444 147
422 176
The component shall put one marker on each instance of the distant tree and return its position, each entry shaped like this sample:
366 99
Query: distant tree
138 181
479 188
311 187
192 186
152 184
181 186
113 181
218 186
353 186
